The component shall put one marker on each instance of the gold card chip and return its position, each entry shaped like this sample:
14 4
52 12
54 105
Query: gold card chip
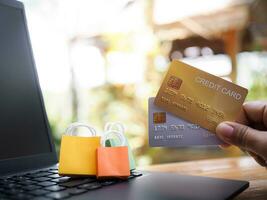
174 82
159 117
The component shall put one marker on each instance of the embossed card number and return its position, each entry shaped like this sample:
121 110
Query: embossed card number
166 129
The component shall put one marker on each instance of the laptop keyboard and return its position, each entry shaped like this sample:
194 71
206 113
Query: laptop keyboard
47 185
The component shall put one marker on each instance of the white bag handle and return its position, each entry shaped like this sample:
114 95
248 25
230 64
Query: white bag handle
75 125
110 134
114 126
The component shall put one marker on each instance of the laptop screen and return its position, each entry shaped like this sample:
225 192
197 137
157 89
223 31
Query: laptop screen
23 130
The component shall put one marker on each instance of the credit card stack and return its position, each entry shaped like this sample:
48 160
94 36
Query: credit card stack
189 105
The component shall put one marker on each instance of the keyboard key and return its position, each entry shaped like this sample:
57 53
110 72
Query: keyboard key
53 168
11 186
46 183
91 179
54 176
74 182
20 178
75 191
41 198
54 188
106 183
61 179
31 187
39 192
45 170
13 191
54 171
58 195
11 178
27 182
90 186
22 196
40 174
41 179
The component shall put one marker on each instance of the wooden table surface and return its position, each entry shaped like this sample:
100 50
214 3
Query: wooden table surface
241 168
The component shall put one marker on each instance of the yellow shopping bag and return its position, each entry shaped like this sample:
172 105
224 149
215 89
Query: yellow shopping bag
77 153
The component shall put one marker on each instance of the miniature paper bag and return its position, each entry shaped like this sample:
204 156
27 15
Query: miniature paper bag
77 153
112 142
113 161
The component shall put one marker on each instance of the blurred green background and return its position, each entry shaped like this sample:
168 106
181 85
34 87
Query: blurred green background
100 61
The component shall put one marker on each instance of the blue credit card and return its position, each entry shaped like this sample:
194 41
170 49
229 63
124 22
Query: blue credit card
168 130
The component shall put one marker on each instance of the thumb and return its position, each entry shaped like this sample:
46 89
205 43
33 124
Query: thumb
242 136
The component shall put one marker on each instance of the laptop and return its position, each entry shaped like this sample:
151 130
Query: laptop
28 160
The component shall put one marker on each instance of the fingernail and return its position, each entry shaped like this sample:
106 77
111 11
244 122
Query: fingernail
225 130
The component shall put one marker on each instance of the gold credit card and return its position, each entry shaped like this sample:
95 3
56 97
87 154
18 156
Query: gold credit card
199 97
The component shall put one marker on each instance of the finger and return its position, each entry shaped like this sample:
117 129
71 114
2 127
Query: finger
240 135
242 117
258 158
244 150
254 112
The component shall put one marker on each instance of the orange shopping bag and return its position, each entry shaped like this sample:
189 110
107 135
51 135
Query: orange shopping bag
113 142
113 161
77 153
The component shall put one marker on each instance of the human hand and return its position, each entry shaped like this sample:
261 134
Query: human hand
249 132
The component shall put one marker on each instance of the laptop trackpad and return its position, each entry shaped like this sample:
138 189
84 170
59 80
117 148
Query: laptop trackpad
161 186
